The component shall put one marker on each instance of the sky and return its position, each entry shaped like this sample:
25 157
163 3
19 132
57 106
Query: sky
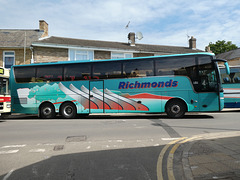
162 22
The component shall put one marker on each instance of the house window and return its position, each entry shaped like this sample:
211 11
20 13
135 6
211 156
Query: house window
76 55
121 55
8 58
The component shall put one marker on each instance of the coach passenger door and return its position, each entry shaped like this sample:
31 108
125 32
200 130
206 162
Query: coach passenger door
96 96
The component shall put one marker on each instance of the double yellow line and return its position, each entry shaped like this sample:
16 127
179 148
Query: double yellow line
175 144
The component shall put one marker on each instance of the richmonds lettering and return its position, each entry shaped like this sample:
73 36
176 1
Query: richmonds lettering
138 85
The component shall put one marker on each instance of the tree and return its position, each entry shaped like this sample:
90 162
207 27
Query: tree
222 46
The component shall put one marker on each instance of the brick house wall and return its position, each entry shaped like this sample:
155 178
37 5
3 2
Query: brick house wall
102 55
19 56
42 54
142 54
1 57
234 62
46 54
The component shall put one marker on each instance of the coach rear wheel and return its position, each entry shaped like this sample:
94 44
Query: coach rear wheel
47 111
176 109
68 110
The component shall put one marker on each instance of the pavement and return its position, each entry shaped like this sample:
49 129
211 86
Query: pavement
211 156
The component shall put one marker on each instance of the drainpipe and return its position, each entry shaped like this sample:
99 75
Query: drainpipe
24 54
32 60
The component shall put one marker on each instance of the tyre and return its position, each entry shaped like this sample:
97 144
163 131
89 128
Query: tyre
68 110
176 108
47 111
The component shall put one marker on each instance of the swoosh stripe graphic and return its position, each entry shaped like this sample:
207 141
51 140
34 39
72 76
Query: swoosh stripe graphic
137 106
122 101
93 105
73 95
96 98
148 96
113 102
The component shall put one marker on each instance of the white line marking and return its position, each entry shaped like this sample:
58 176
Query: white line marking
13 146
37 150
8 174
169 139
45 144
9 152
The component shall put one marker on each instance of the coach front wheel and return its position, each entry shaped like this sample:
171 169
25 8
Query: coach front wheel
176 108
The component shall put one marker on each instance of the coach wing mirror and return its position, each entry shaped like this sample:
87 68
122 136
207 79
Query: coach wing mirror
227 68
225 64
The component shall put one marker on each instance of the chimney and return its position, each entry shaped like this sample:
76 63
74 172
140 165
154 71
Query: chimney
43 26
131 38
192 43
208 49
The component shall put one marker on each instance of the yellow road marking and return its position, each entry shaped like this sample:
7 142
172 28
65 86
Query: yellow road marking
171 156
160 157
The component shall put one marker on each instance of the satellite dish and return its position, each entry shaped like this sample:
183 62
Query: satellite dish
139 35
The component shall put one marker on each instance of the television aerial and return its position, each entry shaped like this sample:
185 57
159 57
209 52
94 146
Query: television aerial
127 25
139 35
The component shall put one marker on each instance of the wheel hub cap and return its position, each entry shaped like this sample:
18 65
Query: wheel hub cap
175 109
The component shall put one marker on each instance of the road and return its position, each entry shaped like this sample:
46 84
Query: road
112 146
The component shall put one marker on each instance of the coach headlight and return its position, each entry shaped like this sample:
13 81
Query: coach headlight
8 105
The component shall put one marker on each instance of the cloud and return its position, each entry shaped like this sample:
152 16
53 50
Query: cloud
162 22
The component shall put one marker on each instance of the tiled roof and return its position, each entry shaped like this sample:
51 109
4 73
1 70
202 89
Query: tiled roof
10 38
233 54
113 45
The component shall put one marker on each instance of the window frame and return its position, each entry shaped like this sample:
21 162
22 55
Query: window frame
124 54
4 56
75 52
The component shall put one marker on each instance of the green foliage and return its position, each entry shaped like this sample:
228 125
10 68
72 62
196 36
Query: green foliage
221 46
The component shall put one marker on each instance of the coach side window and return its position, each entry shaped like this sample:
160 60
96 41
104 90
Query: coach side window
174 66
49 73
138 68
75 72
107 70
24 74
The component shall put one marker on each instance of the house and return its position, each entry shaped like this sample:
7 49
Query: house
68 49
15 44
35 46
232 56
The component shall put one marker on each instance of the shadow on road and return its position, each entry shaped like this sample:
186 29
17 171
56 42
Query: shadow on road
133 163
204 159
115 116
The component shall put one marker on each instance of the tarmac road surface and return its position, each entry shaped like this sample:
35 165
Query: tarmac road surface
199 146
